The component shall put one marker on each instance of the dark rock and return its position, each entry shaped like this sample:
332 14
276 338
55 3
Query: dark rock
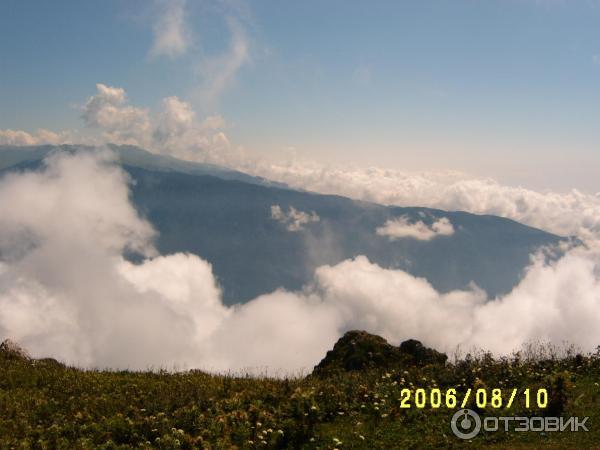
49 362
421 354
359 350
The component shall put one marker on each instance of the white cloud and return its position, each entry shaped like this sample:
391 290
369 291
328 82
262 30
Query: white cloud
213 123
219 72
175 119
402 227
121 123
173 130
171 34
178 132
65 291
571 213
41 136
293 220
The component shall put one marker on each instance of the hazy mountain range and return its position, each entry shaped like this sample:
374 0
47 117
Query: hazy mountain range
261 235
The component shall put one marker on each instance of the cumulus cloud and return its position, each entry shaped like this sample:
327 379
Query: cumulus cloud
120 122
171 34
179 133
293 220
66 291
174 129
402 227
176 118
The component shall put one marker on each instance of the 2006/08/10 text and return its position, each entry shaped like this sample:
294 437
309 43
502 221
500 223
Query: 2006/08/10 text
450 398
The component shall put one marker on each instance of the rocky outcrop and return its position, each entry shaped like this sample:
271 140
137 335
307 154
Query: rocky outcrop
11 350
421 354
359 350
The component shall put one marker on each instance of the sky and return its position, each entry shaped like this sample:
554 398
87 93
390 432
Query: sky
505 89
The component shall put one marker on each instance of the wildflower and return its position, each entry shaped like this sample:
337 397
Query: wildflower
361 437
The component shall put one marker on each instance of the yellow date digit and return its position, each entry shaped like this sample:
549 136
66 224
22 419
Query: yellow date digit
405 398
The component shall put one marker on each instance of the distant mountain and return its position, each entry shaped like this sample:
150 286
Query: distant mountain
131 156
256 243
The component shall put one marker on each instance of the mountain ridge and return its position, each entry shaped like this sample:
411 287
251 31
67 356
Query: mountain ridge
229 221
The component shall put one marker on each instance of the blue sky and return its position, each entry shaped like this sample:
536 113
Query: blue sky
509 89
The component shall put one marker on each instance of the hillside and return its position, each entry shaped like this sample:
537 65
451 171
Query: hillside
227 218
47 405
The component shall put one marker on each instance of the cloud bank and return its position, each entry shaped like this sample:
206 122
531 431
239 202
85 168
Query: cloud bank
572 213
401 227
66 291
40 136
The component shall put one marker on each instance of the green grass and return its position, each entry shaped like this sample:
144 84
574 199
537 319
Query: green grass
46 405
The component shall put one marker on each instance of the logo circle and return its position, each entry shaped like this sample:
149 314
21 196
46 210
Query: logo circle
465 424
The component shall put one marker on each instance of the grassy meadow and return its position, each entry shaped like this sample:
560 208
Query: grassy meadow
45 405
